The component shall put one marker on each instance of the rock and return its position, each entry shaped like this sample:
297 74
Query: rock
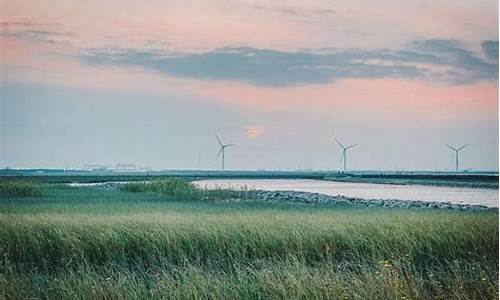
316 198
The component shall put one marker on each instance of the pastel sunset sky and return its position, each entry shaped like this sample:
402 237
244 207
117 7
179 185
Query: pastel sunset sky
150 82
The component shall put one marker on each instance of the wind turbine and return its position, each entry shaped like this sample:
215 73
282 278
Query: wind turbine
457 150
222 150
344 152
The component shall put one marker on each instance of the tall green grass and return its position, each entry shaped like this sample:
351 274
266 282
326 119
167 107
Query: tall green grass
174 187
182 190
19 189
106 244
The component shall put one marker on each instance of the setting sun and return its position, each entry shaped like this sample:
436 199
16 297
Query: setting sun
253 133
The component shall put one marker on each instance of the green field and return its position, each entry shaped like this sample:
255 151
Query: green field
169 240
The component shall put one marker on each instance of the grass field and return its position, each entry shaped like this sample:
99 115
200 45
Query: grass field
170 241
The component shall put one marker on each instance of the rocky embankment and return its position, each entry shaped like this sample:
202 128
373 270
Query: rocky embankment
315 198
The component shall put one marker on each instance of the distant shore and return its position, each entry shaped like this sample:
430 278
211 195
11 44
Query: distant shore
465 179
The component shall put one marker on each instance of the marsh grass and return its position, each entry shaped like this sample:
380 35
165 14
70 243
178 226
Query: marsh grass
91 243
20 189
174 187
182 190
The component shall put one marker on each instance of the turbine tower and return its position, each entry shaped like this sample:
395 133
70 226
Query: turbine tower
343 158
222 150
457 151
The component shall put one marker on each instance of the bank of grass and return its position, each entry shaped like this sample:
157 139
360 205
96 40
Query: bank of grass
20 189
178 189
91 243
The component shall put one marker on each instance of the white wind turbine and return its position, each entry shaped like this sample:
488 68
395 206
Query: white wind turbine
344 152
457 151
222 150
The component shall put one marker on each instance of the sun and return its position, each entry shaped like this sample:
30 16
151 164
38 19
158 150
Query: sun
253 133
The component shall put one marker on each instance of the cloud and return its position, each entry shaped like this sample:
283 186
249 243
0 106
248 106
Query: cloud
490 48
442 60
294 11
28 29
468 67
15 21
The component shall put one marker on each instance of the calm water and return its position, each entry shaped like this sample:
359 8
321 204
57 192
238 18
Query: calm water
488 197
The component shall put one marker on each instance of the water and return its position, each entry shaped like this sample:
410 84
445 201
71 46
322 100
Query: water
488 197
92 184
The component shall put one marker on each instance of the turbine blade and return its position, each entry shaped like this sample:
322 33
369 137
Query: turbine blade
218 140
342 156
351 146
452 148
229 145
340 144
220 152
463 146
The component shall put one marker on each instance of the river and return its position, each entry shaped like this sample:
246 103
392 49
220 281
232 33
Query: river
457 195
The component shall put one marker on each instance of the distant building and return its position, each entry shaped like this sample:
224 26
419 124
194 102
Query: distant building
125 168
96 168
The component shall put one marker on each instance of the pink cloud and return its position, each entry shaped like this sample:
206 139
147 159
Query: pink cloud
179 26
219 23
394 99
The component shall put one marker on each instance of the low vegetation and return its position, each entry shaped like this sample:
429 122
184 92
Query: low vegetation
19 189
129 243
173 187
181 190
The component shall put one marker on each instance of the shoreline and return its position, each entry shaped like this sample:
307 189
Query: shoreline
493 185
317 198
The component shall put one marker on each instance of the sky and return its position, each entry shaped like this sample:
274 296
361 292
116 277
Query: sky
151 82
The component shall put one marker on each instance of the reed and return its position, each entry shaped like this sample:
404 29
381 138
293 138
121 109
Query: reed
19 189
177 189
91 243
